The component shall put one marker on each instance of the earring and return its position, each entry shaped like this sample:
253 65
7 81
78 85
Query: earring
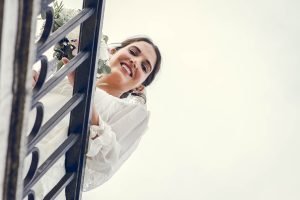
139 90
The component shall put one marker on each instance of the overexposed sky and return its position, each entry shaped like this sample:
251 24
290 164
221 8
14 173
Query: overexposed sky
225 108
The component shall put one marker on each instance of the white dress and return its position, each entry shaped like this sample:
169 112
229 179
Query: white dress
122 124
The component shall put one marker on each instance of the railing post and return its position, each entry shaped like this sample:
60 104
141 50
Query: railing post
21 13
84 82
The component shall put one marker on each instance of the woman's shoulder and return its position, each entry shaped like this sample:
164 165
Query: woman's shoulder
111 107
104 97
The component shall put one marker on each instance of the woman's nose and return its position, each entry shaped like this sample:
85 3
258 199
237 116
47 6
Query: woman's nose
133 62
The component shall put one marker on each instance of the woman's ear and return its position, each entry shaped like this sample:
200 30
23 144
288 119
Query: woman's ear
139 89
112 50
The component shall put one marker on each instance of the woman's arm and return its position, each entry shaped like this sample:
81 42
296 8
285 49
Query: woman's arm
94 116
120 129
71 78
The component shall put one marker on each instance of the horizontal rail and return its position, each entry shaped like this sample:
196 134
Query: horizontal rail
54 120
64 30
68 177
58 76
61 150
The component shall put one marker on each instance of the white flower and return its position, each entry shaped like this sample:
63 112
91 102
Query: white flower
103 50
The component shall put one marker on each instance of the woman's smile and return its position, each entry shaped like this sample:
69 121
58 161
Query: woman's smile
128 68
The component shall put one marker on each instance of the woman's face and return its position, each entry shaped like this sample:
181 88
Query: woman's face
131 65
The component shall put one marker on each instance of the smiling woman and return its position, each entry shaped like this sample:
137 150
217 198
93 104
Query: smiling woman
119 118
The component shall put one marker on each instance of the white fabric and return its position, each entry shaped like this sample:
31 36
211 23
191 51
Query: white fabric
122 123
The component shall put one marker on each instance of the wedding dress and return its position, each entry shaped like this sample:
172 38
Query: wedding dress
122 124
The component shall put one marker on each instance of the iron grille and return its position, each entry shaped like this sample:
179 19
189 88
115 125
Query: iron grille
74 147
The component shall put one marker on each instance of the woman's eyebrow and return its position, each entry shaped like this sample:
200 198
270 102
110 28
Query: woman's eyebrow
147 61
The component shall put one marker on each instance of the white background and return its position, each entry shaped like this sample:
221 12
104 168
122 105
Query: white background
225 108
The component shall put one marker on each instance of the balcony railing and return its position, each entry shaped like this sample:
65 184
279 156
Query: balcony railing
84 63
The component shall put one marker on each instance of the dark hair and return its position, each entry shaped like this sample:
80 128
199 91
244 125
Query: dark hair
156 67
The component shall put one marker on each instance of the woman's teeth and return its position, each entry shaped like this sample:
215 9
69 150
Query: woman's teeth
127 69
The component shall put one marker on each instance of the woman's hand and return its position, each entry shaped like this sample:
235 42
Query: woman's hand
71 76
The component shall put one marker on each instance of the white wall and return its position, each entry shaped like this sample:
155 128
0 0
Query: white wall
225 108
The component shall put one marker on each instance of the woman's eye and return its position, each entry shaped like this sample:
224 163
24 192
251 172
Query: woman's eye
144 68
132 52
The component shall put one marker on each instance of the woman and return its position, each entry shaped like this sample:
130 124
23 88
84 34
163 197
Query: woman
118 119
118 124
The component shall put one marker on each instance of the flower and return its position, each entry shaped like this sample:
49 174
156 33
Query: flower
64 48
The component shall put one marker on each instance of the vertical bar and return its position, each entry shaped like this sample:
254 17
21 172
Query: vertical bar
89 36
1 22
23 58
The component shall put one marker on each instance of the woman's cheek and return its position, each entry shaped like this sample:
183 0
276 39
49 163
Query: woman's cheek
120 78
140 77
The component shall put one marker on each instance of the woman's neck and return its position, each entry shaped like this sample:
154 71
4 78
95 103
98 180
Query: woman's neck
108 88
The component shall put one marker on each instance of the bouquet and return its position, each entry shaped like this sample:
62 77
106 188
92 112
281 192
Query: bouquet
66 47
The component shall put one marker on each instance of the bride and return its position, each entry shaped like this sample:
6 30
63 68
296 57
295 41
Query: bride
119 114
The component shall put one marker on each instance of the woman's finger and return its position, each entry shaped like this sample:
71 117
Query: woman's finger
65 60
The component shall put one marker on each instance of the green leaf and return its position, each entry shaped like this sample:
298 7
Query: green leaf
103 67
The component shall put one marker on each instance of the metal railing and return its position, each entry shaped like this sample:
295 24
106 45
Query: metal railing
84 63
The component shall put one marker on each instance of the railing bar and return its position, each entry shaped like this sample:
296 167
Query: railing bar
54 120
68 177
79 118
65 29
44 4
61 150
60 75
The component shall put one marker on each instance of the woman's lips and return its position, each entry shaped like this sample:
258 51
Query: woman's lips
126 68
